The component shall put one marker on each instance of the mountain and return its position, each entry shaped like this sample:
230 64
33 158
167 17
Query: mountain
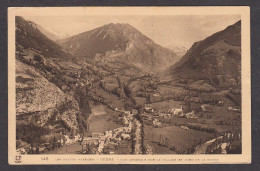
179 50
216 59
29 35
47 33
121 43
47 100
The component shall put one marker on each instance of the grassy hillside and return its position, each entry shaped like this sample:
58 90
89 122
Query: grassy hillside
216 59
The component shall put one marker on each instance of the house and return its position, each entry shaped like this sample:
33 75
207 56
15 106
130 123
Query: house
77 138
164 115
126 121
206 108
108 134
161 114
148 108
220 102
184 127
156 95
234 109
156 123
126 136
101 146
127 112
177 112
191 115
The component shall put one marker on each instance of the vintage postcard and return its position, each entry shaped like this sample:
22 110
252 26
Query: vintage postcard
129 85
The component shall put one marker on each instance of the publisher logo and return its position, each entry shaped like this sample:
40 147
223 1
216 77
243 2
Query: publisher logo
18 159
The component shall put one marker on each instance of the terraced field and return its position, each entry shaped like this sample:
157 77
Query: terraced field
173 133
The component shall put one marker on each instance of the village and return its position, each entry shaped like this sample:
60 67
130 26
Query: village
92 80
98 142
109 141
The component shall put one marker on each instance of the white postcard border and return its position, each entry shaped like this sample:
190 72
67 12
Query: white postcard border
245 157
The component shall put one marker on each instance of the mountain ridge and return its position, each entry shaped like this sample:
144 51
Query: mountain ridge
47 33
216 59
124 42
28 35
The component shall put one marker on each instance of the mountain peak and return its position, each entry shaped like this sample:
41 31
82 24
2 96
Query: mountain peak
123 42
112 36
118 25
120 28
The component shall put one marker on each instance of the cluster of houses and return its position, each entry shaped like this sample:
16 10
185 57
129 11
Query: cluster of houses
69 141
152 117
108 142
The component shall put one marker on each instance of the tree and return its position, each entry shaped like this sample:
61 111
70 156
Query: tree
54 142
38 58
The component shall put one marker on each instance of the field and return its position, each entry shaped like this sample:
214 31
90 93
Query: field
164 89
219 128
180 121
98 110
101 123
99 120
159 149
110 98
166 105
140 100
66 64
173 133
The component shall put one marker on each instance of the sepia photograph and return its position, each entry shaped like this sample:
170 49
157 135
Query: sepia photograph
126 85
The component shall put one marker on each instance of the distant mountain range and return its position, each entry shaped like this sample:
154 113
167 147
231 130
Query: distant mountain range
31 35
120 42
216 58
179 50
47 33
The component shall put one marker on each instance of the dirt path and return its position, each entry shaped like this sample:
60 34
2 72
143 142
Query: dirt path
203 148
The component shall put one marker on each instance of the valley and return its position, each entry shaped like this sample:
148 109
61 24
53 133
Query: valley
112 90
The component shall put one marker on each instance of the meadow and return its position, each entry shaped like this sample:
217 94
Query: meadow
173 133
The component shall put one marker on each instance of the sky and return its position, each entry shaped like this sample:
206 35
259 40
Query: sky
168 31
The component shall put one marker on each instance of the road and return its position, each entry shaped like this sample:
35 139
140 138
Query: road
203 148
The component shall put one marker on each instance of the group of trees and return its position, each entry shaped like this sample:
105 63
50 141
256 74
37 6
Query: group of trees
31 133
137 135
164 141
81 96
235 96
202 129
233 141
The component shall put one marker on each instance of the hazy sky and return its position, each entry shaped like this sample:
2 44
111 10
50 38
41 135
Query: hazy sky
164 30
